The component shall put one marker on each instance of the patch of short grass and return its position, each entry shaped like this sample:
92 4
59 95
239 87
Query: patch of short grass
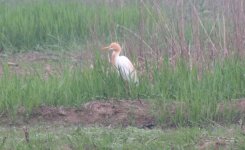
122 138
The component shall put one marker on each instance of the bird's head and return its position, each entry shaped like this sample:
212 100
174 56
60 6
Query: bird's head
113 47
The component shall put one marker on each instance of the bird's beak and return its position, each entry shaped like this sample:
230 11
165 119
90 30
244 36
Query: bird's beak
106 48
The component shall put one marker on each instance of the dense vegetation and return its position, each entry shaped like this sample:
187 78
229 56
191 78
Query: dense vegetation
187 55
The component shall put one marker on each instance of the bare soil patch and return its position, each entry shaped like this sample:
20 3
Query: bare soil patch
112 113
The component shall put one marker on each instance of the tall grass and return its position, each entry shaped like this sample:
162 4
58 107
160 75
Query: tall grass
74 87
47 24
188 51
191 29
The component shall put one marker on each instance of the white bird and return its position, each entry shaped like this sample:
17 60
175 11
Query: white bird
122 63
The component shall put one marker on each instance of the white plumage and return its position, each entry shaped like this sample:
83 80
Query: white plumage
126 69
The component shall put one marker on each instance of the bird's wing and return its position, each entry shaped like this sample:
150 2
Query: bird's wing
124 63
126 68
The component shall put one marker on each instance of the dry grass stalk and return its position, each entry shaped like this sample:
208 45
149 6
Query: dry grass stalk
196 42
181 28
238 21
13 64
26 132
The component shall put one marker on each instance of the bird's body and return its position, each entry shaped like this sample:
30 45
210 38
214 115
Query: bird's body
126 69
122 63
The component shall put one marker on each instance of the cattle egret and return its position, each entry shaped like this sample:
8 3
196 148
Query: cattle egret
122 63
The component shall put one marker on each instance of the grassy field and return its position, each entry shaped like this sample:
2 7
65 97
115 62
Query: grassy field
129 138
188 52
72 88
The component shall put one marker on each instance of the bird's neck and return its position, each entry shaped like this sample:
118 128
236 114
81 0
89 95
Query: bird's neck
114 55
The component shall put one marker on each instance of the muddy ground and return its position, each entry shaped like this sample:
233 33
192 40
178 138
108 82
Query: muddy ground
111 113
116 113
